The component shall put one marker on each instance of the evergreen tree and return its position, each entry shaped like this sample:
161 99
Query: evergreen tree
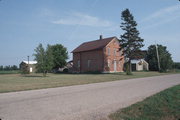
130 42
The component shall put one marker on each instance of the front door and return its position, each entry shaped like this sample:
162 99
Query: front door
115 69
30 69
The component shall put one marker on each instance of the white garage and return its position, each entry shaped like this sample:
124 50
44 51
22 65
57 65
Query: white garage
139 65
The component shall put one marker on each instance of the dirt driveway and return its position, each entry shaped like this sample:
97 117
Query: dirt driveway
81 102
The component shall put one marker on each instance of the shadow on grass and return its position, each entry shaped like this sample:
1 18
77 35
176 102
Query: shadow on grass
34 76
90 73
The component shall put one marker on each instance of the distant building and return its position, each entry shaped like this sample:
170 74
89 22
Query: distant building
68 66
139 65
28 66
101 55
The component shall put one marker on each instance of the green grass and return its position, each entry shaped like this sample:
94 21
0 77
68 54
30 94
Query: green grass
162 106
9 72
18 82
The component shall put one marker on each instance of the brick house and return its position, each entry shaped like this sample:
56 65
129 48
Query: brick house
101 55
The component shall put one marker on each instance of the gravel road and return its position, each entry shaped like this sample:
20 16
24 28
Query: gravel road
81 102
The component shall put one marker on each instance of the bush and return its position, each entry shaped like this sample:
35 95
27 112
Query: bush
177 65
65 70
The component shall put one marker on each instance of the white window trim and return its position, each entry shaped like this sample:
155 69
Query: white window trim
78 63
114 51
120 52
109 51
109 62
89 63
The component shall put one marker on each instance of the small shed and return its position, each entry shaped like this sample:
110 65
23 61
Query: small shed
139 65
28 66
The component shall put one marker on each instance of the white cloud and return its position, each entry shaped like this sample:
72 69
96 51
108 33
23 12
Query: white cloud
163 13
162 16
83 19
161 22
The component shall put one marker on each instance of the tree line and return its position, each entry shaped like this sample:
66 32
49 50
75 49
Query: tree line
8 68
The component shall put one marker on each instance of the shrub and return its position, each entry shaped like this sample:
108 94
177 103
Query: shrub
65 70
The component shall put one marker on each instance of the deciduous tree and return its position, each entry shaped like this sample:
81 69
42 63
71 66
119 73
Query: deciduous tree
60 55
165 58
44 59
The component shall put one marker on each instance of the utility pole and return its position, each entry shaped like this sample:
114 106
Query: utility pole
28 67
28 60
157 53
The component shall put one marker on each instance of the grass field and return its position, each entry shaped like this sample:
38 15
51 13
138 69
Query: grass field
162 106
10 72
18 82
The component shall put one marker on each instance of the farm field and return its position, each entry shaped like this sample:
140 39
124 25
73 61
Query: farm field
18 82
9 72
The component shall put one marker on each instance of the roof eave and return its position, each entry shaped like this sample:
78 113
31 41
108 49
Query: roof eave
87 50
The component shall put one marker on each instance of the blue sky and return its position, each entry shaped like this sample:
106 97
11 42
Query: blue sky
26 23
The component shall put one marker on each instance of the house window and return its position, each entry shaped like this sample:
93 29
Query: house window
120 52
108 51
78 63
114 52
89 63
109 63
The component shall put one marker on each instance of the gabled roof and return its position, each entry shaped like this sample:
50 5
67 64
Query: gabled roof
135 61
30 62
93 45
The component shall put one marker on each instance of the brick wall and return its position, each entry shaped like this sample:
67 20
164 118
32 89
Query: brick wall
89 61
114 61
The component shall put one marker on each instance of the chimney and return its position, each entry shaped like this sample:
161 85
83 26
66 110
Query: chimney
100 37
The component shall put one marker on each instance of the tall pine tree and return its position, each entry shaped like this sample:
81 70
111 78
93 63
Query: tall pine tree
130 42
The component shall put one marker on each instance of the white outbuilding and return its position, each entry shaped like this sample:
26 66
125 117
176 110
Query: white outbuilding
139 65
28 66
